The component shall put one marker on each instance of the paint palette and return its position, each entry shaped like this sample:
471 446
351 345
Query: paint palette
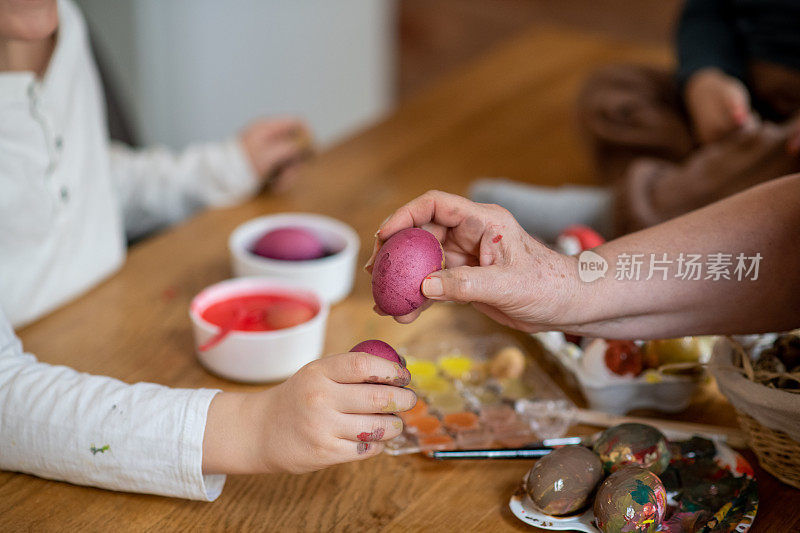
477 392
710 487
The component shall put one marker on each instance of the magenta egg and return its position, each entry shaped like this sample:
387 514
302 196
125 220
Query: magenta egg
289 244
379 348
402 263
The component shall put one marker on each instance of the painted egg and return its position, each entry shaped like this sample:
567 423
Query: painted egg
379 348
633 444
289 244
624 358
402 263
594 364
630 500
563 481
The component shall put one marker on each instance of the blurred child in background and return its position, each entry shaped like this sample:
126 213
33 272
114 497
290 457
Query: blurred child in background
670 142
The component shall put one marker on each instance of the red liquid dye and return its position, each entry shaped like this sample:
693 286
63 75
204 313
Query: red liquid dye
259 312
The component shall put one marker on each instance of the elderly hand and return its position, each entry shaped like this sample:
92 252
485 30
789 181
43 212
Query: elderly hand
491 262
276 147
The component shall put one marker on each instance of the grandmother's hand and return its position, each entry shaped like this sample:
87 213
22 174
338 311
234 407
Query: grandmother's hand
491 262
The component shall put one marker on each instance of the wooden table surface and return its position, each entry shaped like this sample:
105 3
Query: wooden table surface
507 114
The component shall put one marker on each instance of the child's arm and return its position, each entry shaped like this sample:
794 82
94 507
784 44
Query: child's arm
60 424
158 187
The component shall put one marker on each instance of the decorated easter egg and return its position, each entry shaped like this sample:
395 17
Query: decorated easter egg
379 348
624 358
402 263
594 364
562 482
630 500
289 244
633 444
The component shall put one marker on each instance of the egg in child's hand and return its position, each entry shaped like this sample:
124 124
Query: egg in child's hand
562 482
401 265
633 444
631 499
289 244
379 348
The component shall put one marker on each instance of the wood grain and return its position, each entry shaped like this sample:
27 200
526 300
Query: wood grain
507 114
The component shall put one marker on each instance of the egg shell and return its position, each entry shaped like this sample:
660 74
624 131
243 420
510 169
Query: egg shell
631 499
289 244
287 314
563 481
402 263
633 444
379 348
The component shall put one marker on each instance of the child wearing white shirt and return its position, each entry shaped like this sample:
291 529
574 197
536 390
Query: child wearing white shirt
67 199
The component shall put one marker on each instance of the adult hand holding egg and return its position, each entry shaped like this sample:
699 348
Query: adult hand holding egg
491 261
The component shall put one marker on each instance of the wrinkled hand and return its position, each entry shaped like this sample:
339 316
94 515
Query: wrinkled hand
276 148
333 410
718 104
491 262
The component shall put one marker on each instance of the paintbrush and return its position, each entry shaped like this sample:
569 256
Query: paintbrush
529 451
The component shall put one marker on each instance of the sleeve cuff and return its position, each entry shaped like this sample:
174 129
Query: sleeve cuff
198 486
241 168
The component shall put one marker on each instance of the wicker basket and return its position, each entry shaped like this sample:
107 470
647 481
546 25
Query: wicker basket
760 410
777 453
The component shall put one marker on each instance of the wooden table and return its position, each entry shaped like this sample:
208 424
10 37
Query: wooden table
508 114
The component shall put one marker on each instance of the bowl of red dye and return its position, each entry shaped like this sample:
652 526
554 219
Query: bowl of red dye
314 251
257 329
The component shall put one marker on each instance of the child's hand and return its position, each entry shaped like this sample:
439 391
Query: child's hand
276 147
718 104
333 410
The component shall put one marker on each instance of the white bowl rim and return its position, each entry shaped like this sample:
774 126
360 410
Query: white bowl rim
266 283
344 230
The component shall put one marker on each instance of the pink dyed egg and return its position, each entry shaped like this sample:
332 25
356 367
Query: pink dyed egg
379 348
289 244
401 265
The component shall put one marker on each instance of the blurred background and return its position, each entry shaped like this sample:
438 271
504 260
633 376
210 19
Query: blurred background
186 70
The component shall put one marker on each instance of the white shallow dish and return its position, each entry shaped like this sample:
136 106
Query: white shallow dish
258 356
665 393
331 277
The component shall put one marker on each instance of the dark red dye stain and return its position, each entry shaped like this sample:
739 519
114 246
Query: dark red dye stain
169 294
497 239
373 436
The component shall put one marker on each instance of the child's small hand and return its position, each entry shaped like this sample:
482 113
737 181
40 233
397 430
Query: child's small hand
276 147
718 104
333 410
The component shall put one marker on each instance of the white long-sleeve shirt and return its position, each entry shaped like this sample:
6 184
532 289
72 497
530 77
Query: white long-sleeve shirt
67 198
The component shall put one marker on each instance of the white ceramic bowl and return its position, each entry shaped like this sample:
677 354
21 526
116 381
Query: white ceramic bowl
258 356
332 277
